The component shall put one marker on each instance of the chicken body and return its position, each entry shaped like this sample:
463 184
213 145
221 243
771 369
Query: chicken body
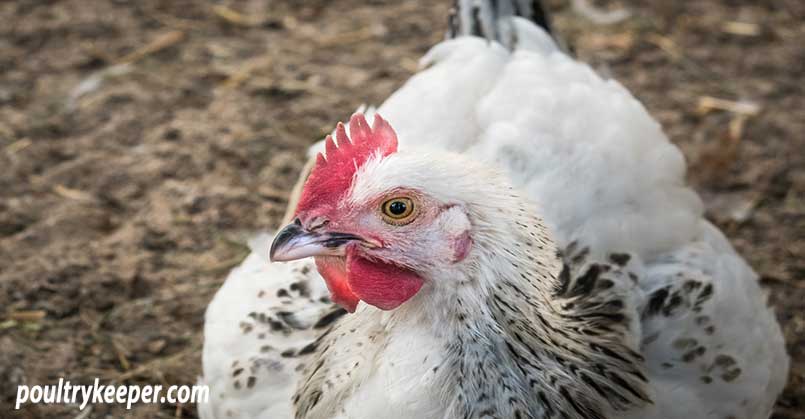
594 288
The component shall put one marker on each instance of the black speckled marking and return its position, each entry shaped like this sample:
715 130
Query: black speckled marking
620 259
329 318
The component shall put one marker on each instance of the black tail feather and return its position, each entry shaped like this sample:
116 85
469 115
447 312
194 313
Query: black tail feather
482 18
540 16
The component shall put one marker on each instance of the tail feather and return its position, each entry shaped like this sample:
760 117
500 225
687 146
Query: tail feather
490 19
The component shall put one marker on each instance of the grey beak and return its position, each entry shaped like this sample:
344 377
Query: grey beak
294 242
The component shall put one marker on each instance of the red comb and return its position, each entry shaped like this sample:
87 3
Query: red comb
332 175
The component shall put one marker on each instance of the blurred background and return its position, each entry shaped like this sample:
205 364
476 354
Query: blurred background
143 142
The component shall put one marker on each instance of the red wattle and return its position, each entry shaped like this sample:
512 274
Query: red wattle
334 272
379 284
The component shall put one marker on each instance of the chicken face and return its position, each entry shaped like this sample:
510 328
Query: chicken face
375 242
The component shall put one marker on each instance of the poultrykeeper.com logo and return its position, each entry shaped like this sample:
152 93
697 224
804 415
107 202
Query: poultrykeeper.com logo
67 393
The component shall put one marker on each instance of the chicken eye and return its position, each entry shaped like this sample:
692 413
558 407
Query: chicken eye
398 211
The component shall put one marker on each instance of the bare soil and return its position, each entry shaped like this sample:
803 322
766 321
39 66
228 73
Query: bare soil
142 142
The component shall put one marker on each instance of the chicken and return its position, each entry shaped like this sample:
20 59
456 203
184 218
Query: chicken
513 238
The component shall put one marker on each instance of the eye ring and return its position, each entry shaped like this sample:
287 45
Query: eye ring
398 211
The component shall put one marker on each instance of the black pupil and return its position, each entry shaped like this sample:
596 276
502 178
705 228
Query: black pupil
397 208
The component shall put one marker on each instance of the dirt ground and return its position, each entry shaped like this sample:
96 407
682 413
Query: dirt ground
142 143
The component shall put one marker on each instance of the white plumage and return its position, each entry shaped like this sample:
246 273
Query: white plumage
606 180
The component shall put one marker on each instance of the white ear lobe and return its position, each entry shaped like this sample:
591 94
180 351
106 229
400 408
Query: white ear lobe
454 221
456 226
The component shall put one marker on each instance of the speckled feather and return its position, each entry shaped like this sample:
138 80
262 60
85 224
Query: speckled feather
260 328
595 288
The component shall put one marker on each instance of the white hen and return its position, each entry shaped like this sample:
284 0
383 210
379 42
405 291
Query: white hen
646 312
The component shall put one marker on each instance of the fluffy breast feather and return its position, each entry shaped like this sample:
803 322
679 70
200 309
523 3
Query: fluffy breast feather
259 332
